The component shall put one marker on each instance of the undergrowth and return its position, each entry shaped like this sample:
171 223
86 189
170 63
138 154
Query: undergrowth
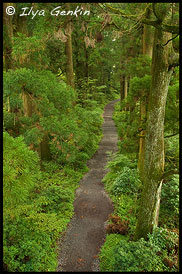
119 252
38 200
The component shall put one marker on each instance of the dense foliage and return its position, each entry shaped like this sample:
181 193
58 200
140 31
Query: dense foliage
154 255
120 253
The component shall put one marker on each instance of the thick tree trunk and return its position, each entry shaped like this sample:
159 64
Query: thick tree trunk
142 137
68 50
148 37
147 40
154 140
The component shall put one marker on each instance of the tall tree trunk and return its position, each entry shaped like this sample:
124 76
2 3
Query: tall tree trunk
7 39
148 37
86 63
154 140
147 40
44 151
125 90
142 137
121 87
68 50
27 104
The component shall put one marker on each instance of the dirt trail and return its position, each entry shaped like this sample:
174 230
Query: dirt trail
86 231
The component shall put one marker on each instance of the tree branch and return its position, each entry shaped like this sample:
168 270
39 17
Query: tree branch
169 173
170 40
120 12
155 13
171 135
157 23
167 28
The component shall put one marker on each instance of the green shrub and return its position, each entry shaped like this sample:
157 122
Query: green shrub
125 208
20 171
106 254
119 161
116 164
124 187
37 207
169 208
164 239
26 248
172 152
120 255
57 199
137 256
126 182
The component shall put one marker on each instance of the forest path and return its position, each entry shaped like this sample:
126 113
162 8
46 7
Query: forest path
85 234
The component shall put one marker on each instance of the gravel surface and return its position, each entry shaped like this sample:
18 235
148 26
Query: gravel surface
80 245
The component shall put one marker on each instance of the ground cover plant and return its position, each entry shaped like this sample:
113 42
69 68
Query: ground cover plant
159 252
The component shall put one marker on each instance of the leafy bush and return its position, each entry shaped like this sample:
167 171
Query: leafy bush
170 195
116 164
172 152
119 161
169 208
73 132
137 256
126 182
57 199
20 171
126 209
26 247
155 255
164 239
172 107
37 207
127 124
106 254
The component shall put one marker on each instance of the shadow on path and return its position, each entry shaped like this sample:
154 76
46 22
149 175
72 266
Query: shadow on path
85 234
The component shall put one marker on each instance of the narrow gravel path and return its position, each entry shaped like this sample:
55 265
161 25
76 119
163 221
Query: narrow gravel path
81 243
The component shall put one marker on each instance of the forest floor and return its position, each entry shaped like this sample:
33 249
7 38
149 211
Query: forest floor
80 245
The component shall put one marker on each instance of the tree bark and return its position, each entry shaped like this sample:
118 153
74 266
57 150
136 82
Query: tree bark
30 107
123 88
126 91
68 50
44 150
154 140
27 104
148 38
7 40
143 113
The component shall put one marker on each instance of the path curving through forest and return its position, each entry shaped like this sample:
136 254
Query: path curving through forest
85 234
